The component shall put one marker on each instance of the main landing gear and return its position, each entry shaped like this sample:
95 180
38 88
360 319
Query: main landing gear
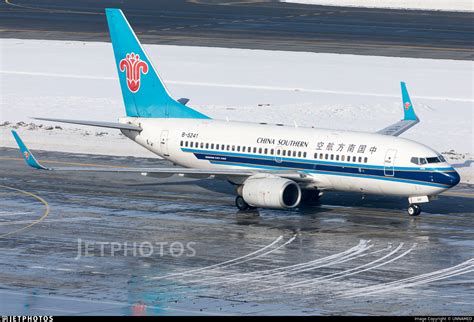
414 210
241 203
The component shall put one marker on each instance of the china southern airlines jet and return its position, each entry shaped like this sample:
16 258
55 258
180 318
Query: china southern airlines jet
272 166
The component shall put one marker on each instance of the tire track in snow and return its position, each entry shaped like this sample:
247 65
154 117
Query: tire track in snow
460 269
289 241
347 255
214 266
353 271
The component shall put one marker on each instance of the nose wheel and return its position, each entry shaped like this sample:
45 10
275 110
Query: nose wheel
414 210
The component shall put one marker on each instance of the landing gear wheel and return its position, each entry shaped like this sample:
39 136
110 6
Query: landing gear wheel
241 203
414 210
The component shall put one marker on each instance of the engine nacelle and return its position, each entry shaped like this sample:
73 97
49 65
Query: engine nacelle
271 192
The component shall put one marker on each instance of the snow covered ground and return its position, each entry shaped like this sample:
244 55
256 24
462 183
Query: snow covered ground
447 5
77 80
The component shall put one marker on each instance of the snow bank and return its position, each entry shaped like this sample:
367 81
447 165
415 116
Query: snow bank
447 5
65 79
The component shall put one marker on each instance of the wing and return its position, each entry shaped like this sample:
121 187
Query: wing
409 118
30 159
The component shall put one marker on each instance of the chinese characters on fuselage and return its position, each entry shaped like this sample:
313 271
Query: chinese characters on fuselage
321 146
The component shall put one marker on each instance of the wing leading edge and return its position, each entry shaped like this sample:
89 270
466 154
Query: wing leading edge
32 162
409 117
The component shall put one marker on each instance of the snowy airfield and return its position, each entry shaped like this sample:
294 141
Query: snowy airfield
77 80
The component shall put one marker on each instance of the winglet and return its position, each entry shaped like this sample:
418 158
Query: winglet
27 155
409 112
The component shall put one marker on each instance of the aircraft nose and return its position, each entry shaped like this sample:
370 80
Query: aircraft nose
454 178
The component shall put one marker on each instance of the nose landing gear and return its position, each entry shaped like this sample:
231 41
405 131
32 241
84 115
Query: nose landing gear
414 210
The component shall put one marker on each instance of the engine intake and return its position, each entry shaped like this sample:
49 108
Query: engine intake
271 192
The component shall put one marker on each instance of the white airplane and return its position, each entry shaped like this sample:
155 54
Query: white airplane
272 166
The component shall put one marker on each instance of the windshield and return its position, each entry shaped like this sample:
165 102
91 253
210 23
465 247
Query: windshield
421 161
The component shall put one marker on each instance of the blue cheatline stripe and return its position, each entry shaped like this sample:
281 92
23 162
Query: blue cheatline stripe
345 164
436 178
334 173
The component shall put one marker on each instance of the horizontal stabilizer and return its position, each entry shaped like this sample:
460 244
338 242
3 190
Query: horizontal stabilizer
111 125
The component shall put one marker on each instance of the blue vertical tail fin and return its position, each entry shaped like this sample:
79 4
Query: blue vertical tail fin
144 93
409 112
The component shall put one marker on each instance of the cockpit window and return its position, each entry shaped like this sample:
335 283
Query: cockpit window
418 161
415 160
421 161
433 160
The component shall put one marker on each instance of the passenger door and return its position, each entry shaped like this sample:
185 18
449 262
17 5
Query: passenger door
389 162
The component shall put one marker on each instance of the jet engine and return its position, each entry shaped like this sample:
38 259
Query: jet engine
271 192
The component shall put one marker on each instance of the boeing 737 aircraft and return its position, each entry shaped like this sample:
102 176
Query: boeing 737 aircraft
272 166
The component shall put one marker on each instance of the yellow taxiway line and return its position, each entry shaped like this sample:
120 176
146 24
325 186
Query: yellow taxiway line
45 214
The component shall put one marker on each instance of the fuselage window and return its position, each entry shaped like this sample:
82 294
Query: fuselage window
212 146
228 147
294 153
186 144
272 151
354 159
283 152
202 145
265 151
278 152
316 155
243 149
326 156
207 146
233 148
181 144
321 156
254 150
337 157
238 148
259 150
332 156
365 160
423 161
299 154
360 159
342 157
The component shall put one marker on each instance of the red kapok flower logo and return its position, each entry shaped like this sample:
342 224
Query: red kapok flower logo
134 66
407 105
26 154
